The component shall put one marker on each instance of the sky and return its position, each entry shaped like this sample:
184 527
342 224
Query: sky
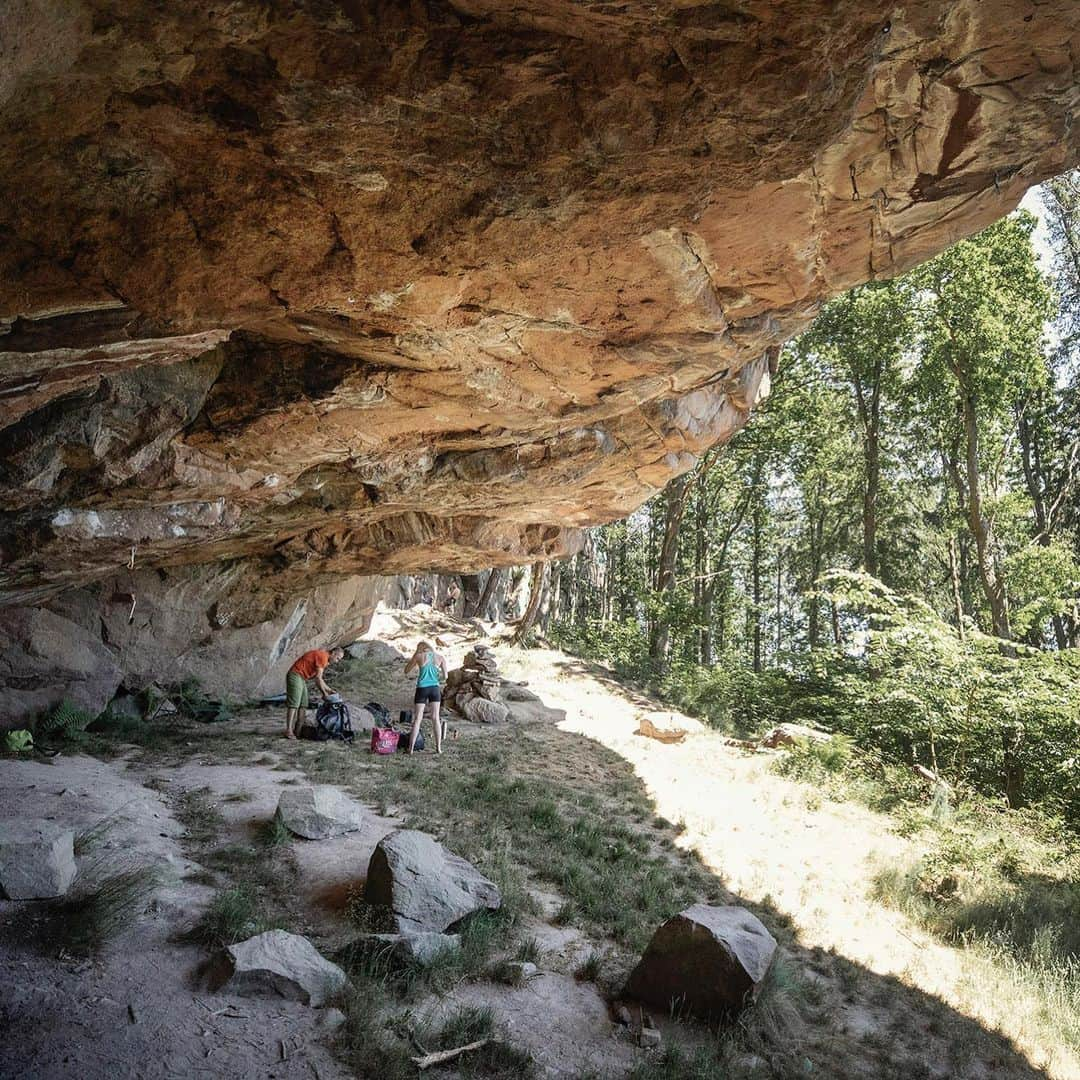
1032 201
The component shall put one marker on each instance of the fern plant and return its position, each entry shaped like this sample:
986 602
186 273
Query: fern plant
64 720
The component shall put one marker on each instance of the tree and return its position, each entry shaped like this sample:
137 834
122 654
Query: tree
984 306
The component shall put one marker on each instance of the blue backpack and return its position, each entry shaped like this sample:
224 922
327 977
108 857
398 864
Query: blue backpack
332 722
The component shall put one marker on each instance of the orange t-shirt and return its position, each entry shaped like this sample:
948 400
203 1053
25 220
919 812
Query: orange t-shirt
307 667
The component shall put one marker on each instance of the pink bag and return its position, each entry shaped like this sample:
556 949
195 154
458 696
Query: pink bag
384 740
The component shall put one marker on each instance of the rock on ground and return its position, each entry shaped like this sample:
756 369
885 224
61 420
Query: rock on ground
418 947
379 651
481 711
37 860
707 960
790 734
426 886
280 963
319 812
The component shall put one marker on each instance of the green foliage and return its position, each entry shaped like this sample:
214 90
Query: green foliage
193 702
1008 895
231 917
63 721
100 907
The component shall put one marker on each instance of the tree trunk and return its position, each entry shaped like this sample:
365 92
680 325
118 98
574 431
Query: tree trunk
1011 739
954 577
981 529
665 574
755 576
1031 460
492 583
532 608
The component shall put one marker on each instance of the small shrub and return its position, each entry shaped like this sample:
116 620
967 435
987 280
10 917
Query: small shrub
590 968
231 917
274 832
63 721
88 919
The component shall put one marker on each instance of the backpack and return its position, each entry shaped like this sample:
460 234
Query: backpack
332 722
380 714
405 720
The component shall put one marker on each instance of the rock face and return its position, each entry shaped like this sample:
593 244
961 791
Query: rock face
47 655
424 885
36 860
236 628
294 292
708 960
319 812
281 964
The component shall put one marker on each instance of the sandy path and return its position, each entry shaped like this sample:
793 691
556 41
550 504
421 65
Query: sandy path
812 861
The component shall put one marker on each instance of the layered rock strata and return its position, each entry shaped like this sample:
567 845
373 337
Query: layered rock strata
305 290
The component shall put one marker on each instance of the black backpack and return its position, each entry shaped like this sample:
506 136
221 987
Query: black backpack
332 722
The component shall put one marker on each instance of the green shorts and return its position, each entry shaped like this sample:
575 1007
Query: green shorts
296 695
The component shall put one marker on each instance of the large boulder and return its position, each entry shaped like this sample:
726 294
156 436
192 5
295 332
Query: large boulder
279 964
380 652
319 812
706 960
481 711
426 886
37 860
47 656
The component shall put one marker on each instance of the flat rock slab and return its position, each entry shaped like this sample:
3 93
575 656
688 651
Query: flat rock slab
410 947
426 886
279 964
707 960
37 859
319 812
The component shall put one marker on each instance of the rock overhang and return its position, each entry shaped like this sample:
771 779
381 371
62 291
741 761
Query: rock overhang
338 289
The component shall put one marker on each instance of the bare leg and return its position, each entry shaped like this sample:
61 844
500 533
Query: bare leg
290 723
436 725
418 715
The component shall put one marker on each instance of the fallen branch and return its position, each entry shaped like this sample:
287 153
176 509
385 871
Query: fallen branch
928 774
440 1056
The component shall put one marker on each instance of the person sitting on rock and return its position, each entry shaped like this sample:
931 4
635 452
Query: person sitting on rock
431 672
310 666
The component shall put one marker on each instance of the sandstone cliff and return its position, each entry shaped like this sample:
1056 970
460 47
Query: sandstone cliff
303 290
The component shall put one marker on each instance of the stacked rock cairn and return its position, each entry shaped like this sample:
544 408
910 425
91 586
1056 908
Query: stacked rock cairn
473 689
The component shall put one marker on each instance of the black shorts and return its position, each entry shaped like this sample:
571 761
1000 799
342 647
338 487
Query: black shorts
427 695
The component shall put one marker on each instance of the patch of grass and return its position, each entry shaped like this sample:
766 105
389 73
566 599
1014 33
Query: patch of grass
274 832
239 797
528 951
468 1024
197 812
1006 898
90 839
231 917
589 969
94 913
367 1041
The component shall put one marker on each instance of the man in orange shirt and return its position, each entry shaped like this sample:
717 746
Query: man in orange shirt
310 666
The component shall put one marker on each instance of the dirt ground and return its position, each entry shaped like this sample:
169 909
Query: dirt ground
142 1010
